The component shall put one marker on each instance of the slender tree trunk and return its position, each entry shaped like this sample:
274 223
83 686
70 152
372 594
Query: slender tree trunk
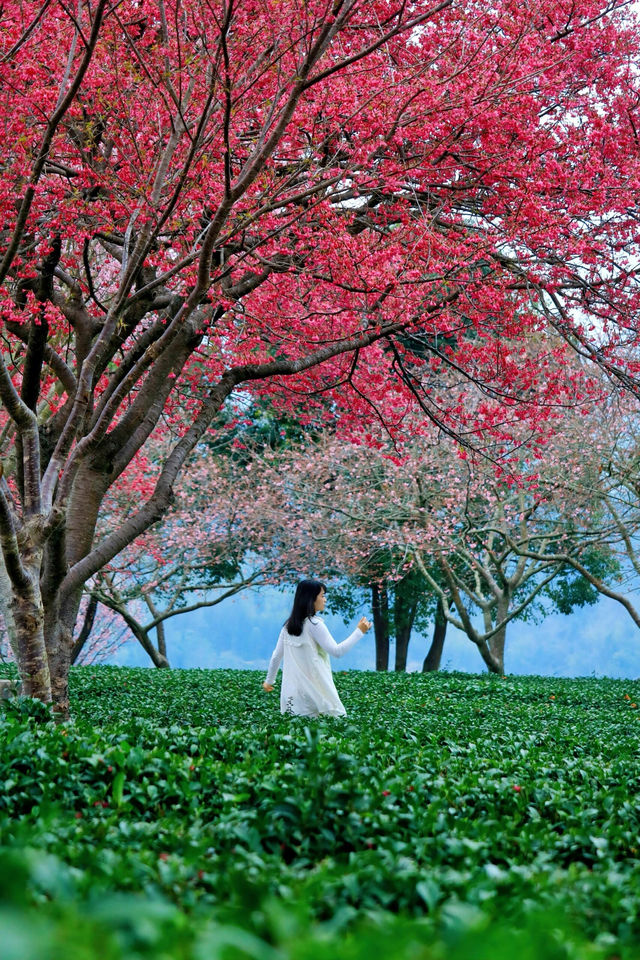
493 665
157 658
161 640
85 630
434 654
142 635
402 648
496 645
380 606
161 637
402 628
404 612
497 641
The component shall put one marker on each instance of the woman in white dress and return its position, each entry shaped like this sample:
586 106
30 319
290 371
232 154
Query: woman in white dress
305 644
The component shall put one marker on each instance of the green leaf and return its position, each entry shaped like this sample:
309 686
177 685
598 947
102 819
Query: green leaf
118 788
429 892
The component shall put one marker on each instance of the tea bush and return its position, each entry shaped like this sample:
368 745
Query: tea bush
179 814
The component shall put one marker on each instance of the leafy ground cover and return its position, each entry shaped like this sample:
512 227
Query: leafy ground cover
180 815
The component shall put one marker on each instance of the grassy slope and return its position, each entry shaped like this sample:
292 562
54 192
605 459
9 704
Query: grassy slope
444 811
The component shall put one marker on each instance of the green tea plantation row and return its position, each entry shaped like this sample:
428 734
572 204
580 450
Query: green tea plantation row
179 815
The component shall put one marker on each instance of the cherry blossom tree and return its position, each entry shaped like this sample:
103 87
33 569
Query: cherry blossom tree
596 506
432 525
331 195
197 557
482 572
144 617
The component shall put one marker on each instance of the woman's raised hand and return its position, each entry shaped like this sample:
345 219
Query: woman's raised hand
363 624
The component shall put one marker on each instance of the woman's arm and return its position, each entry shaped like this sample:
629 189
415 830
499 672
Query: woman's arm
274 663
323 638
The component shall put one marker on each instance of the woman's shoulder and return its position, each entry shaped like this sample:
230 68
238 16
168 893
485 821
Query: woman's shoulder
293 640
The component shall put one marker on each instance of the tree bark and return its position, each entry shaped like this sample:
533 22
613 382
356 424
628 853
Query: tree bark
59 646
162 642
7 613
404 612
493 665
434 654
161 639
158 659
380 606
85 630
28 617
64 549
497 641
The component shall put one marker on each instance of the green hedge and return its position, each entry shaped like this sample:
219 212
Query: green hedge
445 810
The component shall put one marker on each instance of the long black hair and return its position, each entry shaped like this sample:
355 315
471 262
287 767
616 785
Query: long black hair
303 605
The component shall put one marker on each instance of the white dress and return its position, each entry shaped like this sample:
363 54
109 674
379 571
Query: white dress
307 682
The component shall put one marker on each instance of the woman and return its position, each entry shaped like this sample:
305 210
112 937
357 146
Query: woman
305 643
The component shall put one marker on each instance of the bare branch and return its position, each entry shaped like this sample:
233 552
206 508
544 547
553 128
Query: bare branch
10 548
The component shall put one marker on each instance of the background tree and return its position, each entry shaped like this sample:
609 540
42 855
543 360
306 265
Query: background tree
425 527
197 557
598 507
399 605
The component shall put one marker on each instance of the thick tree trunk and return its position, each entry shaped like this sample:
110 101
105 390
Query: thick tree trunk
93 479
59 665
494 665
497 650
496 643
380 606
66 546
434 654
89 489
28 618
60 615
